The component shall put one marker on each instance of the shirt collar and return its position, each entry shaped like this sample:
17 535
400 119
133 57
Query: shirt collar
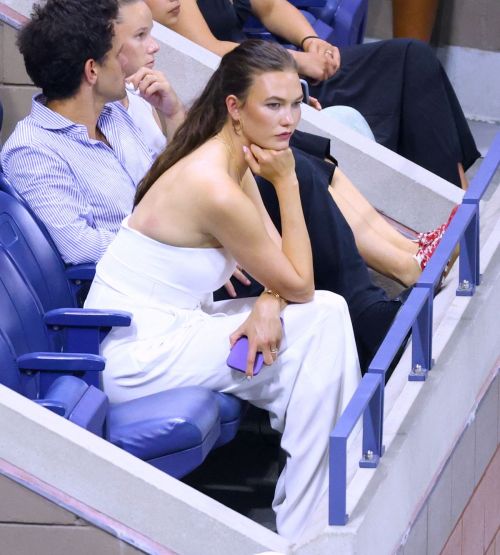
48 119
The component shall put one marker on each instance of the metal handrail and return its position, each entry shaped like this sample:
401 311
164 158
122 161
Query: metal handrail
415 314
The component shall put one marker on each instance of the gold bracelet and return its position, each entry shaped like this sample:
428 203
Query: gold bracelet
275 294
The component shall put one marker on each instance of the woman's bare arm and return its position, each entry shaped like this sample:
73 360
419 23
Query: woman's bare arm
230 216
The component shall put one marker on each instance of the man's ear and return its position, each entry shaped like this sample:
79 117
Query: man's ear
90 71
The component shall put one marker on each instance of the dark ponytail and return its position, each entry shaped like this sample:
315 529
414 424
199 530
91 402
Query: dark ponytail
208 114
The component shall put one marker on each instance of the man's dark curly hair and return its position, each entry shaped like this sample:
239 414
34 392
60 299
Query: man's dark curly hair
60 37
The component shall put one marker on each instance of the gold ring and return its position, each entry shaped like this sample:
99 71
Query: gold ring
274 350
329 52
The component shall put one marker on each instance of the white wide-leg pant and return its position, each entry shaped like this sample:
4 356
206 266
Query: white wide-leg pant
305 390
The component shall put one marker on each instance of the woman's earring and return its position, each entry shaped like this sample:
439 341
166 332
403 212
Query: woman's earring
237 126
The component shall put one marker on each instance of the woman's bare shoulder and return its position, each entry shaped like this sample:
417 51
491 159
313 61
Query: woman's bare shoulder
207 170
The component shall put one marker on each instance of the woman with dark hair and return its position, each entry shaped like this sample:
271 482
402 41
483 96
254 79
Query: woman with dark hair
197 212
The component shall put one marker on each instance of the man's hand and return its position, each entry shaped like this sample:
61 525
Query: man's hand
320 46
154 87
263 329
319 61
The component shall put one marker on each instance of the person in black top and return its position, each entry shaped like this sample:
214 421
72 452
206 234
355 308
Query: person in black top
398 85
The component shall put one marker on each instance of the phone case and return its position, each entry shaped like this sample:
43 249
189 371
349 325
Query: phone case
237 358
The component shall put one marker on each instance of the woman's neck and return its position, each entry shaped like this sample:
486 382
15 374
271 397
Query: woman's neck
234 146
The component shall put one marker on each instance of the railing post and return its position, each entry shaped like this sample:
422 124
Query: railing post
373 423
469 255
338 481
422 340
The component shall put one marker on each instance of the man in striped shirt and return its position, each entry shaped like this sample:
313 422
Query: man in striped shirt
78 156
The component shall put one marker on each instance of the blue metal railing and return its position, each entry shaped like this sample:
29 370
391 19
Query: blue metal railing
414 315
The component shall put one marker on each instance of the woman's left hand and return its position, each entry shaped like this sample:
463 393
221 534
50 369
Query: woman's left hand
154 87
263 330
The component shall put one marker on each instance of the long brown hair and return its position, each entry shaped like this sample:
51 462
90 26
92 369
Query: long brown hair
208 114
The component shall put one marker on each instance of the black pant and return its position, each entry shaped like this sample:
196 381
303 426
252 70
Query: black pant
405 95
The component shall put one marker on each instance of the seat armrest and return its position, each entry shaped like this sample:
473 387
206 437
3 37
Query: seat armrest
308 3
87 318
60 362
52 364
80 272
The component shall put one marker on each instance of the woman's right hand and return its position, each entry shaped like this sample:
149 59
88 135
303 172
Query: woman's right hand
263 330
273 165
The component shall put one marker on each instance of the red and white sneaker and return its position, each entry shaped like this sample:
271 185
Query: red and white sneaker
428 238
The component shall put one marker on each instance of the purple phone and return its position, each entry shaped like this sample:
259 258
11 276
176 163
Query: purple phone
237 358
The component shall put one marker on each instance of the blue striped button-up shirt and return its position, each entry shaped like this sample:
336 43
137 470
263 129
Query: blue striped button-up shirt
80 188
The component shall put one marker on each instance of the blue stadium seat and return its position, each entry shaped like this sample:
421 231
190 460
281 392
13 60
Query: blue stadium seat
173 430
341 22
254 29
346 17
39 262
26 239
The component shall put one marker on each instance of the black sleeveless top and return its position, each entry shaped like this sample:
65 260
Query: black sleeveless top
226 18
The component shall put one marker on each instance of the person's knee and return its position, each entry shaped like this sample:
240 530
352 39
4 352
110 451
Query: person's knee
421 56
330 305
350 117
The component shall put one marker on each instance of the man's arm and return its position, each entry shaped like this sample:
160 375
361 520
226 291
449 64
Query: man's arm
53 195
320 60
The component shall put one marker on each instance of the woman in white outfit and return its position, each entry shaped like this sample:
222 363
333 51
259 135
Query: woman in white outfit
198 212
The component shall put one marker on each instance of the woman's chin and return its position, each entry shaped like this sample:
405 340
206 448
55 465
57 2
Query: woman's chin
281 144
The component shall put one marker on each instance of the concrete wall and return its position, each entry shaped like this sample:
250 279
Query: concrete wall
475 530
466 497
467 23
29 523
16 88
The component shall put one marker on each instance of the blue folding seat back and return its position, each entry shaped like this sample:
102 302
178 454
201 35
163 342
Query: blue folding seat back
20 314
42 270
346 17
254 29
341 22
22 238
10 376
34 251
